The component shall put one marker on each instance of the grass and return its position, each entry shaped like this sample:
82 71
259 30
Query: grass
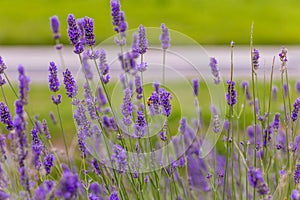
208 22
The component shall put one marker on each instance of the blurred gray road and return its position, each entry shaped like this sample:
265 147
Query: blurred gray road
182 61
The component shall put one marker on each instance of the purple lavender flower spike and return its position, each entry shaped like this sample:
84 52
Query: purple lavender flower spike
48 162
138 87
231 93
68 186
101 97
53 79
5 116
164 37
154 101
57 100
88 25
165 101
295 195
127 107
52 117
285 90
2 147
73 30
297 86
274 92
296 109
256 180
114 196
245 87
276 122
95 191
103 66
283 58
54 23
2 80
96 166
267 135
215 70
142 41
135 46
140 124
87 67
23 85
79 48
297 174
195 86
45 129
2 66
70 84
255 58
36 147
115 13
119 157
90 102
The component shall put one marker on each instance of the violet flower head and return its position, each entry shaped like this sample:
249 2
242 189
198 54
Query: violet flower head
55 100
295 195
255 59
101 97
195 86
118 18
88 25
164 37
231 93
114 196
276 122
297 174
5 116
23 85
140 124
73 30
48 162
103 66
245 88
90 102
68 186
45 129
165 97
285 90
119 157
87 67
154 103
283 58
135 45
297 86
215 70
2 80
142 40
2 66
36 147
267 135
296 109
127 107
52 117
2 147
53 79
256 180
70 84
274 92
54 23
138 87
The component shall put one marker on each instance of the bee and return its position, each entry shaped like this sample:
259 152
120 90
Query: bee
149 101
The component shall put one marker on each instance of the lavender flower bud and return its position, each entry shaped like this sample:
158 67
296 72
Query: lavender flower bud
70 84
118 18
53 80
57 100
23 85
45 129
255 58
87 66
96 166
49 162
283 58
231 93
2 147
2 80
54 22
127 107
119 157
138 87
135 46
215 70
296 109
276 121
88 25
103 66
36 147
274 92
89 100
256 180
165 101
297 174
68 186
2 66
196 87
114 196
79 48
73 30
142 41
101 97
52 117
285 90
140 124
5 116
164 37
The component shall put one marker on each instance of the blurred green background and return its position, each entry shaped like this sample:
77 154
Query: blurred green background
26 22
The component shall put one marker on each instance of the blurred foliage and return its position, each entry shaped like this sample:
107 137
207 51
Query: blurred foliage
208 22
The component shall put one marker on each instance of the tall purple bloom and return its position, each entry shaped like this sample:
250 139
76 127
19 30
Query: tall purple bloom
118 18
68 186
215 70
119 158
114 196
23 85
90 102
73 30
5 116
70 84
164 37
127 107
36 147
196 86
103 66
48 162
135 45
2 66
256 180
138 87
88 25
154 103
140 123
255 58
231 93
165 101
276 121
54 23
142 40
53 79
296 109
297 174
2 147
